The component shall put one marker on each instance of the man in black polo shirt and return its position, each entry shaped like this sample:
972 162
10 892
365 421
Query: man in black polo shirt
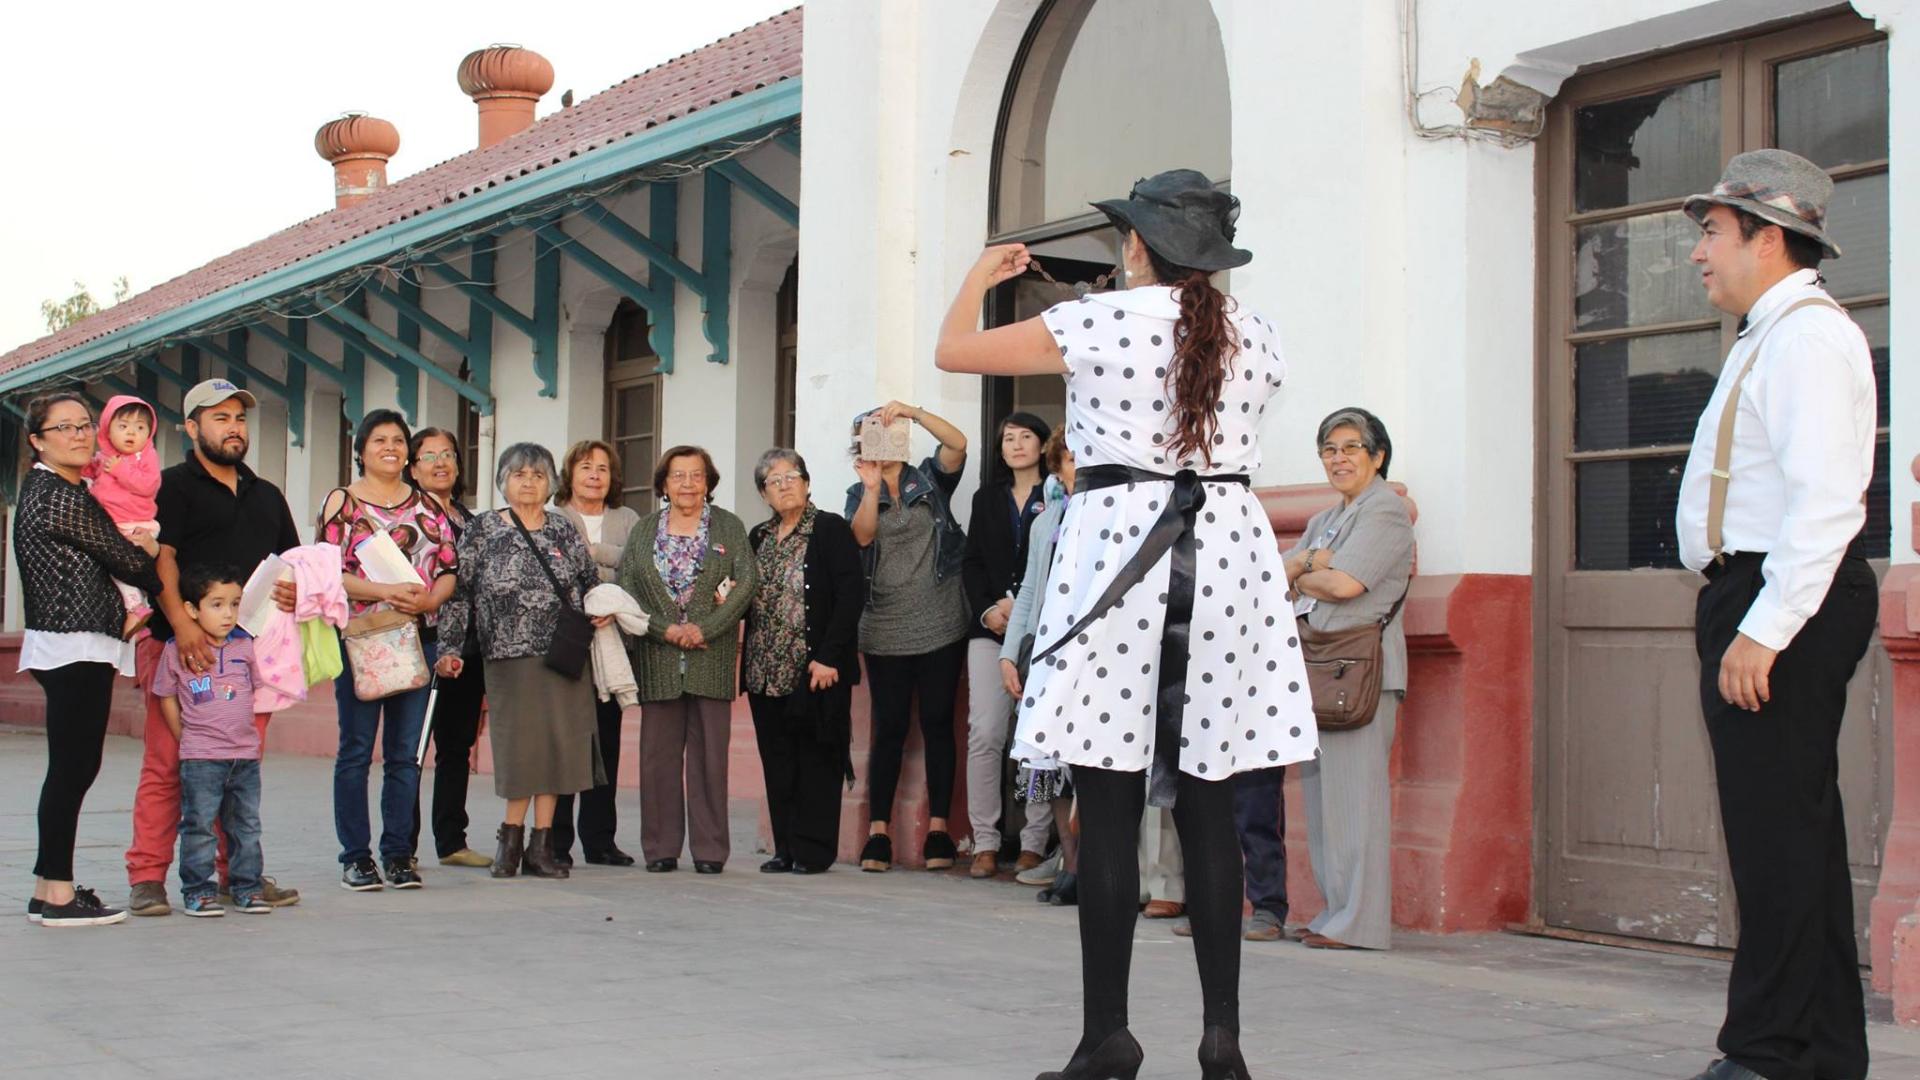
213 511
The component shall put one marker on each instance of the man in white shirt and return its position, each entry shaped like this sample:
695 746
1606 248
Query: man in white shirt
1771 509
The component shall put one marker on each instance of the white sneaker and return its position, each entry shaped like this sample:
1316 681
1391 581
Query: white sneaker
1042 874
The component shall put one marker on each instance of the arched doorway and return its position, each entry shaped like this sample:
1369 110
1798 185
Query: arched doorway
1101 93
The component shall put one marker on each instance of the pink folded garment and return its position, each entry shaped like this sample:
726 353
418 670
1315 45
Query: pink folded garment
280 677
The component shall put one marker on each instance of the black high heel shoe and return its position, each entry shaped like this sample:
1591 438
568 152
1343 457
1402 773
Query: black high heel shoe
1220 1056
1118 1057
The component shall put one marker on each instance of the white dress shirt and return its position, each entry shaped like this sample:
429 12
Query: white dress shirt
1803 442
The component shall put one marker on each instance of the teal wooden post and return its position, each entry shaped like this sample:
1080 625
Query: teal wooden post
663 224
546 315
716 261
190 364
296 384
480 331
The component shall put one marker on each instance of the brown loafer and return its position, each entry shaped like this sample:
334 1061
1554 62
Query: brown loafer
1028 860
1164 909
985 865
1321 941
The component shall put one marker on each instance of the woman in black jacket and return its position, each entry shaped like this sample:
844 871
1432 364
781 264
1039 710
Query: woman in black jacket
801 663
1003 513
69 552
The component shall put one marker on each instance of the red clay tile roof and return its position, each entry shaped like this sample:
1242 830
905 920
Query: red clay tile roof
760 55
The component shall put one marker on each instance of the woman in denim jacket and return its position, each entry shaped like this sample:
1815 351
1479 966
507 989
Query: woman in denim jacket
914 629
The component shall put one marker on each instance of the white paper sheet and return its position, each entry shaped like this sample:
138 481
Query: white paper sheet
381 561
256 599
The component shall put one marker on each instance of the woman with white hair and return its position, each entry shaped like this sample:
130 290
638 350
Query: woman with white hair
541 724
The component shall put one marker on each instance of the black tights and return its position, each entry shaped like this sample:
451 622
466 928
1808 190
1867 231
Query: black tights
79 697
1111 804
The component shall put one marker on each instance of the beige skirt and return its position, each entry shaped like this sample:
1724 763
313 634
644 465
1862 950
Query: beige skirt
541 723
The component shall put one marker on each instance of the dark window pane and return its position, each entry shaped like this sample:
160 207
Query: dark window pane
1656 146
1857 218
1873 322
1879 528
1626 513
1832 108
1645 391
1636 272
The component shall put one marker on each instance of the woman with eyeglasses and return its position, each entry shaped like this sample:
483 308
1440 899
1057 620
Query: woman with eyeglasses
801 662
1351 568
691 568
589 496
69 552
435 472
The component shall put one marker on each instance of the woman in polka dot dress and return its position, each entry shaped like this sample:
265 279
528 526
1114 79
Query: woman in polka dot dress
1165 644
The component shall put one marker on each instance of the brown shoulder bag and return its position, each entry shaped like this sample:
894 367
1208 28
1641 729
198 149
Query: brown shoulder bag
1344 670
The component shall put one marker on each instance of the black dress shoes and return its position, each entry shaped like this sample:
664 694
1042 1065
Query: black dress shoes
662 866
1728 1070
612 856
798 868
701 866
779 864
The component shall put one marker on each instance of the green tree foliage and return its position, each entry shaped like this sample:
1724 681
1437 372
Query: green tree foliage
61 314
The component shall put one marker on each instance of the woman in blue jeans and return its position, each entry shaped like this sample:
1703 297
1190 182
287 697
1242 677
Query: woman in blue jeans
381 500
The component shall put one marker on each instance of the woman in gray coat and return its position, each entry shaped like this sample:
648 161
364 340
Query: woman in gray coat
1350 568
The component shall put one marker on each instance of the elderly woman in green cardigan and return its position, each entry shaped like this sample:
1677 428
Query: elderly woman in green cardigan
691 568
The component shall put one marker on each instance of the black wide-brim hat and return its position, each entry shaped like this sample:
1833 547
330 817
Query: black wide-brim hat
1183 218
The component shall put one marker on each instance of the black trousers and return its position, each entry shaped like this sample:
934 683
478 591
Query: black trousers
894 682
456 726
1260 817
803 774
1795 1008
599 818
79 696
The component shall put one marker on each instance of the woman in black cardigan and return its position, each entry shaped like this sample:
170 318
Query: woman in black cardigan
801 663
69 552
1003 513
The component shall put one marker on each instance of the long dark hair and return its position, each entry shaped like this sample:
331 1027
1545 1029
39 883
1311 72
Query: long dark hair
1204 345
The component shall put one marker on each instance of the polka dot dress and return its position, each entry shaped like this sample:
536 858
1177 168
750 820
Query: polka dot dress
1092 701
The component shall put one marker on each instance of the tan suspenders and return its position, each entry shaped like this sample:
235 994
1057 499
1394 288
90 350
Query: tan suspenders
1723 446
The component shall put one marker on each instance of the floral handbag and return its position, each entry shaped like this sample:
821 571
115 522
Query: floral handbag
386 655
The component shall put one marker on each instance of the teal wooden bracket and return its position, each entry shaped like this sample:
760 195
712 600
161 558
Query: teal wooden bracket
296 384
243 373
406 376
478 288
392 350
480 333
656 252
151 365
716 259
149 384
663 224
190 364
294 341
349 377
18 412
763 193
406 305
546 314
789 140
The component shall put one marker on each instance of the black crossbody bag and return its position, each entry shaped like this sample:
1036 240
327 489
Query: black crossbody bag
572 630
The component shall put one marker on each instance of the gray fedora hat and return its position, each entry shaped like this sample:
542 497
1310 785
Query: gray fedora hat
1775 186
1183 218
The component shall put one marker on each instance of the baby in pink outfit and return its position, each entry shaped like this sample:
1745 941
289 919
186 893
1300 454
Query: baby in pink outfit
125 475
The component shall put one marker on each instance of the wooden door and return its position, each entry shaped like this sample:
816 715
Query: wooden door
1631 351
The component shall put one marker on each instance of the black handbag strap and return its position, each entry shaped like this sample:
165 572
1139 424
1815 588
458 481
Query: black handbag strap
541 558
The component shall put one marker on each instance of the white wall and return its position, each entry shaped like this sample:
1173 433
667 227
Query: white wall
1402 270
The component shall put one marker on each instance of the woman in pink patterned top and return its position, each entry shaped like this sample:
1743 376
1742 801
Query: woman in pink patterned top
381 500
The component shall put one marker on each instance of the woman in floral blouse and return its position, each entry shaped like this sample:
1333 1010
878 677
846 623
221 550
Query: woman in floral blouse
802 663
539 722
382 500
690 567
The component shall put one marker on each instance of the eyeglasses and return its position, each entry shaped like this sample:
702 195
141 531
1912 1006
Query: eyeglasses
1345 449
686 478
435 457
784 480
69 430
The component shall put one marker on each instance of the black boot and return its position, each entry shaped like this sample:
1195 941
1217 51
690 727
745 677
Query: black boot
1220 1056
506 857
1118 1057
539 860
1065 891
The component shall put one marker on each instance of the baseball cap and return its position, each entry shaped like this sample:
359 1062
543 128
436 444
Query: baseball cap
213 392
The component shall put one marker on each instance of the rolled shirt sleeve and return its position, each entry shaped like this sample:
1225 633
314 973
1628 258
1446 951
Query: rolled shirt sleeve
1812 414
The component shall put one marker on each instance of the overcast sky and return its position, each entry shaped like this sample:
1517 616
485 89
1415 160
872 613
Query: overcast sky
148 138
